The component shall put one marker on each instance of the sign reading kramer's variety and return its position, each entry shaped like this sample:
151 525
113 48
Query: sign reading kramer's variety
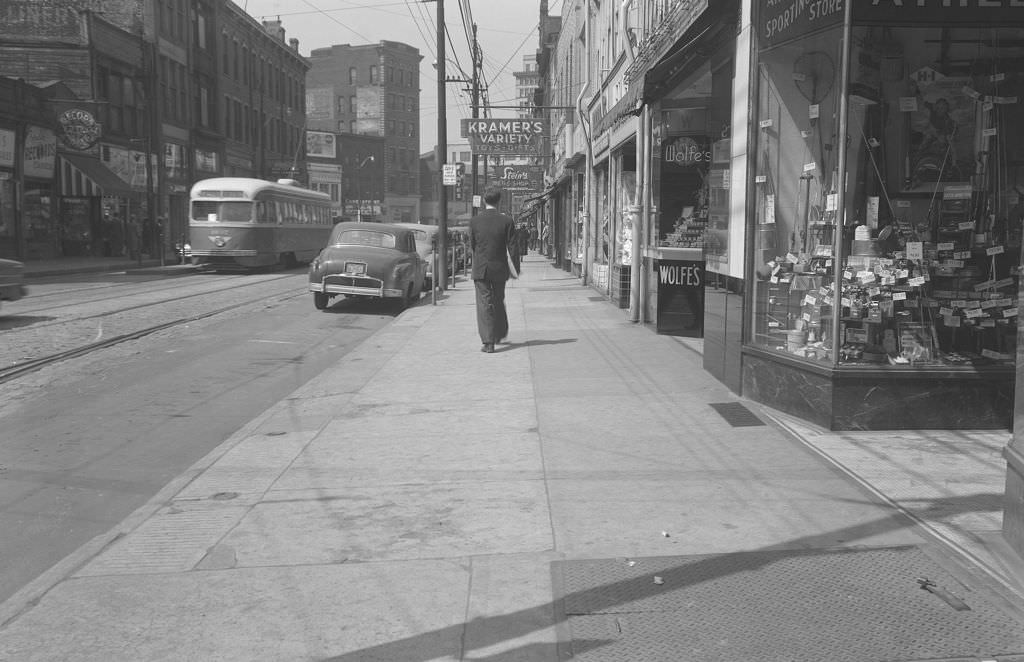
505 136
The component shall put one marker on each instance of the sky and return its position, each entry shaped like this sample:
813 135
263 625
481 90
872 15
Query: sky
506 30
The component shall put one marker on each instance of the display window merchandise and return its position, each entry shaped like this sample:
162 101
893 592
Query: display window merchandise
888 213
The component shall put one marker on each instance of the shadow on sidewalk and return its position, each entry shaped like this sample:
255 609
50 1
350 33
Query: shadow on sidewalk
532 343
496 630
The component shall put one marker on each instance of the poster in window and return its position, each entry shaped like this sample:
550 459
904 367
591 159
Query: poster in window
941 118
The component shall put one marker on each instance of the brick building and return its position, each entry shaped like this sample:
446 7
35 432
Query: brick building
373 89
201 87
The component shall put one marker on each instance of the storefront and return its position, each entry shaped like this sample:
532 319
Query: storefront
9 241
95 207
885 266
689 116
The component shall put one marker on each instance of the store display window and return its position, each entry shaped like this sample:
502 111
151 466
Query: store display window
915 262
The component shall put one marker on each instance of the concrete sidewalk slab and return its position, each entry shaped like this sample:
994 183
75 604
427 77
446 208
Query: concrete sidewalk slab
408 504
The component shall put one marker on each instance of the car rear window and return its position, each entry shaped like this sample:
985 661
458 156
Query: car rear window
364 238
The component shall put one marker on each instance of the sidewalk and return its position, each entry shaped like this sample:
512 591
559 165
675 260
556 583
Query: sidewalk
572 494
84 265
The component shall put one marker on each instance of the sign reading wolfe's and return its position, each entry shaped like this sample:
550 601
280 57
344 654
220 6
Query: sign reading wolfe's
504 136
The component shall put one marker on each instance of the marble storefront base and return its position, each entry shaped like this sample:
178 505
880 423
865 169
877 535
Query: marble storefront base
1013 500
882 399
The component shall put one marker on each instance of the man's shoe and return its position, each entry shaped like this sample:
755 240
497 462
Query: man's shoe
488 348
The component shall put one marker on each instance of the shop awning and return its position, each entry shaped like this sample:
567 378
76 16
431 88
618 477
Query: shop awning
673 44
85 176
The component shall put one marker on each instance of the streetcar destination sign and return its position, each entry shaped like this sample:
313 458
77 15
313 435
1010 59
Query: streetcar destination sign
505 136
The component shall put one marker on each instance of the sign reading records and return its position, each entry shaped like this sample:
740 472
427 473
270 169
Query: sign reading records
505 136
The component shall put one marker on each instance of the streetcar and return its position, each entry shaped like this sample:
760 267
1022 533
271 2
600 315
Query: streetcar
238 223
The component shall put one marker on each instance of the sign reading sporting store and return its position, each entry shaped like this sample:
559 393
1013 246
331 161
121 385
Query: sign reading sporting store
507 137
782 20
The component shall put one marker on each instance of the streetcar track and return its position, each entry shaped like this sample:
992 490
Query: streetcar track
125 309
13 372
99 288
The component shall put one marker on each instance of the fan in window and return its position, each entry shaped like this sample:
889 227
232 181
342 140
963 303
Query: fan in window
814 74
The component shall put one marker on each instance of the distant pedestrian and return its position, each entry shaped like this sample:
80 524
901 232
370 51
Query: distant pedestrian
533 237
523 239
491 239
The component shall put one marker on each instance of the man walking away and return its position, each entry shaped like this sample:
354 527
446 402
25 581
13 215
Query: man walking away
491 236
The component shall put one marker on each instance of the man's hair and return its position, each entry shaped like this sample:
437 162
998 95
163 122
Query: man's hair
492 195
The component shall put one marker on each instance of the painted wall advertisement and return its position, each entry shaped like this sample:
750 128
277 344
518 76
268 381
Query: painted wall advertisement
321 145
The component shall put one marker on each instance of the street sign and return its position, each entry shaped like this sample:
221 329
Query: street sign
449 174
477 201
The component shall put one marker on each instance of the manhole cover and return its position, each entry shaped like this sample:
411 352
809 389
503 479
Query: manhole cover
857 605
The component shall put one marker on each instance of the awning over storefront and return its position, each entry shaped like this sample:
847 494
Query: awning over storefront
84 176
676 42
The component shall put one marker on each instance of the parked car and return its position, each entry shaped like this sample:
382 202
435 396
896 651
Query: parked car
12 280
368 260
426 244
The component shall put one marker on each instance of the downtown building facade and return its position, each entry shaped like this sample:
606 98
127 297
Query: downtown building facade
142 98
373 90
830 195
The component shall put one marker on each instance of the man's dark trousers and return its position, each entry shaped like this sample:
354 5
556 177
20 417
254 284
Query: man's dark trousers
491 315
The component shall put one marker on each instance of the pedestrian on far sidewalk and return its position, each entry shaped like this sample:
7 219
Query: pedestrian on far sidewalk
491 239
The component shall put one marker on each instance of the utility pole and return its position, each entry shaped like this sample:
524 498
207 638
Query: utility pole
442 150
475 101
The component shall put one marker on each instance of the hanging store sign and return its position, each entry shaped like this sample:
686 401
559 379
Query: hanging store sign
782 20
960 12
520 178
79 129
505 137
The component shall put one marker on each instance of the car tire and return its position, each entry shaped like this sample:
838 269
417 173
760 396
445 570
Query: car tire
320 300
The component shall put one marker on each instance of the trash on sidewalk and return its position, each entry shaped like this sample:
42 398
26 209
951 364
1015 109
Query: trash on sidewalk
665 534
944 595
658 580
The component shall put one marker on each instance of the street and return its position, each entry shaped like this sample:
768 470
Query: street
85 441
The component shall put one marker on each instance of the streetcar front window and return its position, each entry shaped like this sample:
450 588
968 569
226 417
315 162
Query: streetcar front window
224 212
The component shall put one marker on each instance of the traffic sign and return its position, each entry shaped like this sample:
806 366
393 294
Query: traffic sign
449 174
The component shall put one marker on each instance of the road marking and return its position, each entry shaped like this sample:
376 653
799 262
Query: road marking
276 342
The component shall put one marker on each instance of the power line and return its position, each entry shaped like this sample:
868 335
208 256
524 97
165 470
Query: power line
375 7
320 11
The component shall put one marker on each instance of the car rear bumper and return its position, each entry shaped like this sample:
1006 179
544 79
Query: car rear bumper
223 253
354 285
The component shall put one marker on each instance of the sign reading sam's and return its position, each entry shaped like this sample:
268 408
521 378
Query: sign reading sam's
508 137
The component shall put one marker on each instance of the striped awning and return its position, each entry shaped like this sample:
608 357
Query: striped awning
84 176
